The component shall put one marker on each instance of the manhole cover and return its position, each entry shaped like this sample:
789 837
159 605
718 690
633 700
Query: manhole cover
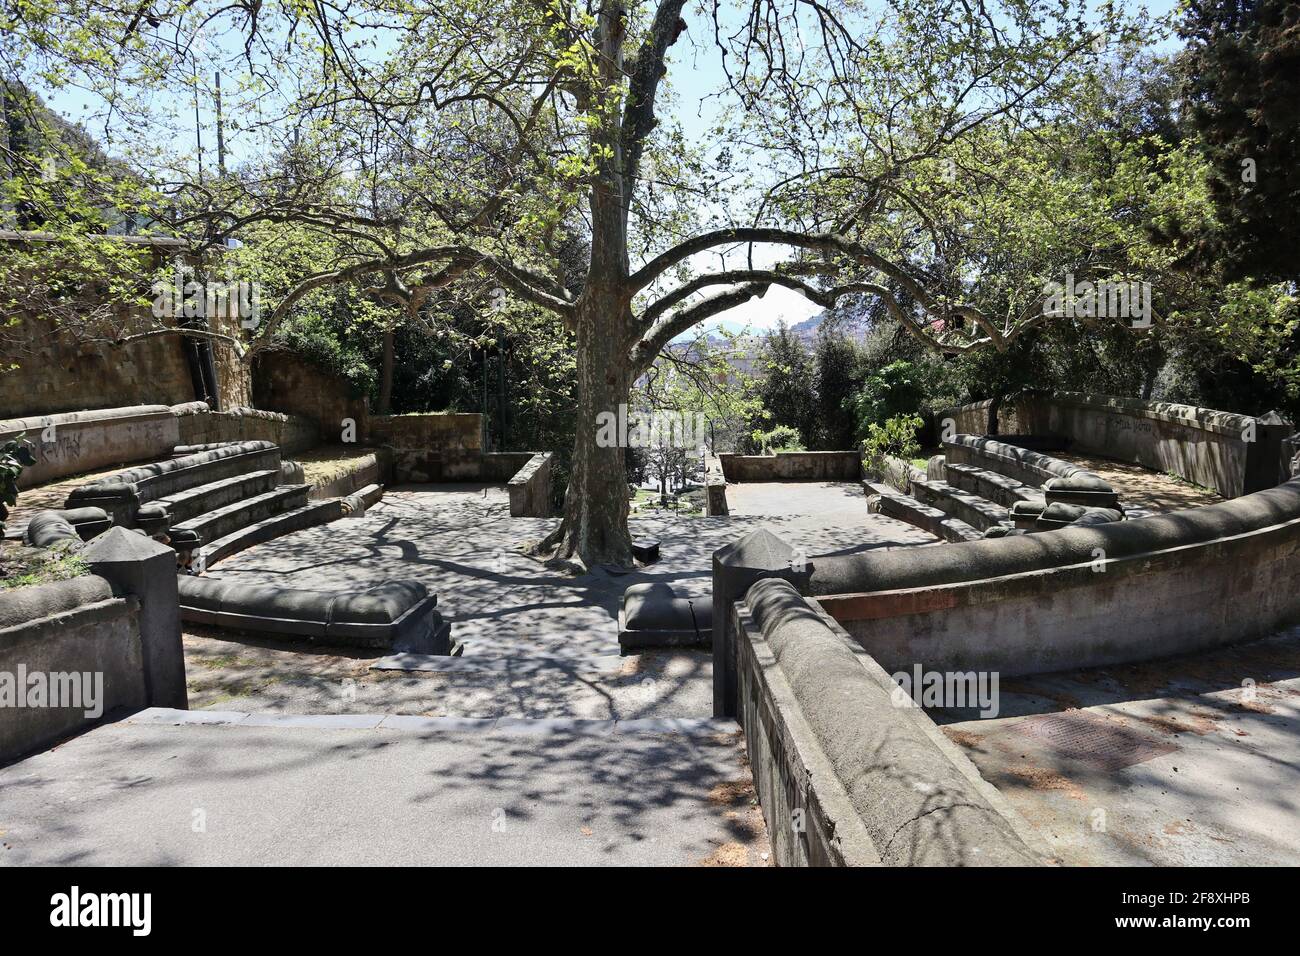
1093 741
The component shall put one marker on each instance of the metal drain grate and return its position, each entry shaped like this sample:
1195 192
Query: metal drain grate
1093 741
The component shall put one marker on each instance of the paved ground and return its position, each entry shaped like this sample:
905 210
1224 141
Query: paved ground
462 541
1169 763
1140 488
140 792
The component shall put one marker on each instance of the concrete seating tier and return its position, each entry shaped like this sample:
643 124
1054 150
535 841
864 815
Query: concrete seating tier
193 502
979 513
123 492
997 488
227 519
309 515
399 615
1028 467
887 501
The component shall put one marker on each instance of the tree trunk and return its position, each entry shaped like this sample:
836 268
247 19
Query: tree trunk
386 376
594 527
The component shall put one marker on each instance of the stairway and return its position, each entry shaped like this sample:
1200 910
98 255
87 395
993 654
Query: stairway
213 500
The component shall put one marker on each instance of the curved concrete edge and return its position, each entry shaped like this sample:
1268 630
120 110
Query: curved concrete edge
992 558
397 614
1180 600
1016 462
71 443
896 795
20 605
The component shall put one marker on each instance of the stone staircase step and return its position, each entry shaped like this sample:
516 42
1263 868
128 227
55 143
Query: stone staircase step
184 505
888 501
230 518
307 516
978 512
998 488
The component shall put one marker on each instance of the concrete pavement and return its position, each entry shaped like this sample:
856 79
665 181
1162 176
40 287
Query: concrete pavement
208 788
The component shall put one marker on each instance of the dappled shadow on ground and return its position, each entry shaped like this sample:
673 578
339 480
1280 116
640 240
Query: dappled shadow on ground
297 796
464 545
1215 765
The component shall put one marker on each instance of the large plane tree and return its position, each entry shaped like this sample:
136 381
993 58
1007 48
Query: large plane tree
903 150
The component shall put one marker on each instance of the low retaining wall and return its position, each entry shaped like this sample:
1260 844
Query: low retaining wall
72 443
62 635
846 773
198 425
1230 453
1180 583
794 466
530 488
432 447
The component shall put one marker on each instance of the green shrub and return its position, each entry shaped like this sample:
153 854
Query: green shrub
897 437
780 438
15 455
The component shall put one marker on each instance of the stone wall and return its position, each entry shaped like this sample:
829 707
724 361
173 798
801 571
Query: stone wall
793 466
1180 583
61 372
200 426
441 446
1230 453
285 382
76 626
86 441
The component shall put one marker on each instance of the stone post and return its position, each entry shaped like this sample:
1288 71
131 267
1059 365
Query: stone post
760 554
135 564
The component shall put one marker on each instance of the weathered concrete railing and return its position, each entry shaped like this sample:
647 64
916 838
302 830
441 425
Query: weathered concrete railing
1179 582
530 488
846 772
1233 454
117 628
794 466
71 443
76 646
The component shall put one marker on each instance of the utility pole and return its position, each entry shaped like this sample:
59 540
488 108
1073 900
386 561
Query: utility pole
221 137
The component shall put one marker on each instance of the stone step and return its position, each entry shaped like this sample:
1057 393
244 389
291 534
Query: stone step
308 516
194 502
225 520
998 488
888 501
978 512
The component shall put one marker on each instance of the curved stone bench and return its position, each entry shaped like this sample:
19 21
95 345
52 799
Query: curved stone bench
1023 604
122 493
1060 480
399 614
